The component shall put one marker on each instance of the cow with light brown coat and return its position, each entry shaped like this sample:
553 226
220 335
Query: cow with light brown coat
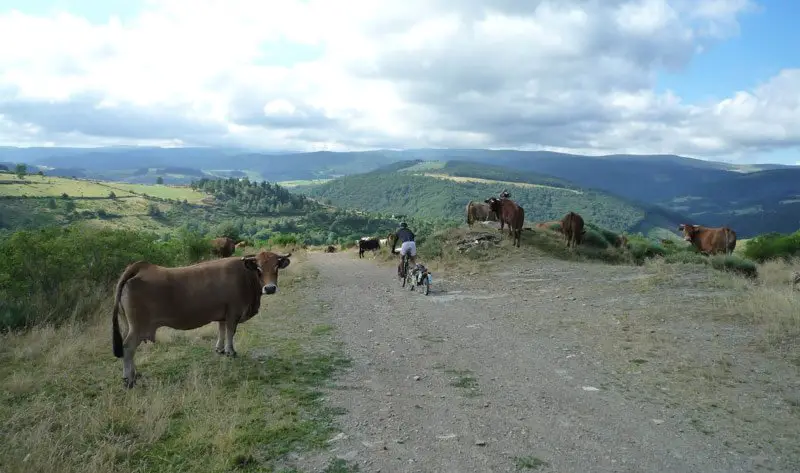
709 240
227 291
479 212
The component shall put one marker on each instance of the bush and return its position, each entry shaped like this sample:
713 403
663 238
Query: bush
227 229
735 264
283 240
772 246
54 274
641 248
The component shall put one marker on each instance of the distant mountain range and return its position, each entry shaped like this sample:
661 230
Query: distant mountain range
752 199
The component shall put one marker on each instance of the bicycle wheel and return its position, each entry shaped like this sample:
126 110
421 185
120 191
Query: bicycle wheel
404 270
427 284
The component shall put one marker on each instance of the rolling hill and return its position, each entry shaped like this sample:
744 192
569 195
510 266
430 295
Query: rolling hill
754 203
442 190
677 183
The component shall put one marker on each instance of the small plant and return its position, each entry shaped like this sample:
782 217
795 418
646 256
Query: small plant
529 463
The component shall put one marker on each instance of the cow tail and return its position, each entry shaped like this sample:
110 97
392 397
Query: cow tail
116 335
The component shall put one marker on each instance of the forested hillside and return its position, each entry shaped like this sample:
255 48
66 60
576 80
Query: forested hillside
752 204
443 190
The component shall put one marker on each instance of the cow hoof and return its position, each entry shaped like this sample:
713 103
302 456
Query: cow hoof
128 383
231 354
219 351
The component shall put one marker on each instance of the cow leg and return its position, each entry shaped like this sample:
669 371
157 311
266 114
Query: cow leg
129 346
230 331
219 347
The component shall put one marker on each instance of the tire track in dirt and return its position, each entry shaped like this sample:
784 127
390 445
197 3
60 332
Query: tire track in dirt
455 382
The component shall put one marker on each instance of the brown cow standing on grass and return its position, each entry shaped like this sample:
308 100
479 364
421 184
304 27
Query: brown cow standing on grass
508 212
222 247
709 240
227 291
572 227
479 212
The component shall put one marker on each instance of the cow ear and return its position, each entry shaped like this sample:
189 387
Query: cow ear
250 263
283 262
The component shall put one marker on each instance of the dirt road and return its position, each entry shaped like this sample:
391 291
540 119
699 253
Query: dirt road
544 365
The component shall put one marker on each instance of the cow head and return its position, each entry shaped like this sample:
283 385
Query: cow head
267 265
689 231
495 204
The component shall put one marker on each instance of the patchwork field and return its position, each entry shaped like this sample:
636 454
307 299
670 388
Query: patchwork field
498 183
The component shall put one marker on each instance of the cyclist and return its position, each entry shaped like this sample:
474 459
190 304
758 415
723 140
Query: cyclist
406 237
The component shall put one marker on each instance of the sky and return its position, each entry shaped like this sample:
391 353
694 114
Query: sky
713 79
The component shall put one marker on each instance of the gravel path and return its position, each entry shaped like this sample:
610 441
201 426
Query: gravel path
474 379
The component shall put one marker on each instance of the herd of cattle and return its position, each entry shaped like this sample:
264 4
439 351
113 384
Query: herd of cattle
707 240
228 289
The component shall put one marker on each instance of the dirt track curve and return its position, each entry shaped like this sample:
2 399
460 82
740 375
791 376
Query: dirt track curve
501 372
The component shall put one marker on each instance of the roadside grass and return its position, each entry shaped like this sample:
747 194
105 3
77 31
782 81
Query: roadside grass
722 348
63 407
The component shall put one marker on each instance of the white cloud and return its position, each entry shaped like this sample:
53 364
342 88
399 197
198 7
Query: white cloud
571 76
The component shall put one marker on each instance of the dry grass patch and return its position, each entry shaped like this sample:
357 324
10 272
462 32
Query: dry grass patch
63 407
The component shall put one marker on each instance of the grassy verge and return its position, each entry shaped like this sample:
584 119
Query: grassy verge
63 408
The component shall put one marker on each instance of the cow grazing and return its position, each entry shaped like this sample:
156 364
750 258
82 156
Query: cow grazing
572 227
369 244
227 291
709 240
508 212
479 212
222 247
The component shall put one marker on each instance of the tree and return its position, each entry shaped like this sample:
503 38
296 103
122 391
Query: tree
159 180
112 195
21 170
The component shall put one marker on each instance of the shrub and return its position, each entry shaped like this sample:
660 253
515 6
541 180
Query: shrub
734 264
55 274
772 246
283 240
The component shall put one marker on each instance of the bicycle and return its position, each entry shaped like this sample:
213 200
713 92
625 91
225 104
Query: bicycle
404 269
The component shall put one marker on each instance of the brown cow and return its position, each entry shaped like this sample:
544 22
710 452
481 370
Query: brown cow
479 212
508 212
709 240
227 291
222 247
330 249
572 228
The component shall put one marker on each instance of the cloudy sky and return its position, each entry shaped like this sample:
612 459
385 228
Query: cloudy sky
705 78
